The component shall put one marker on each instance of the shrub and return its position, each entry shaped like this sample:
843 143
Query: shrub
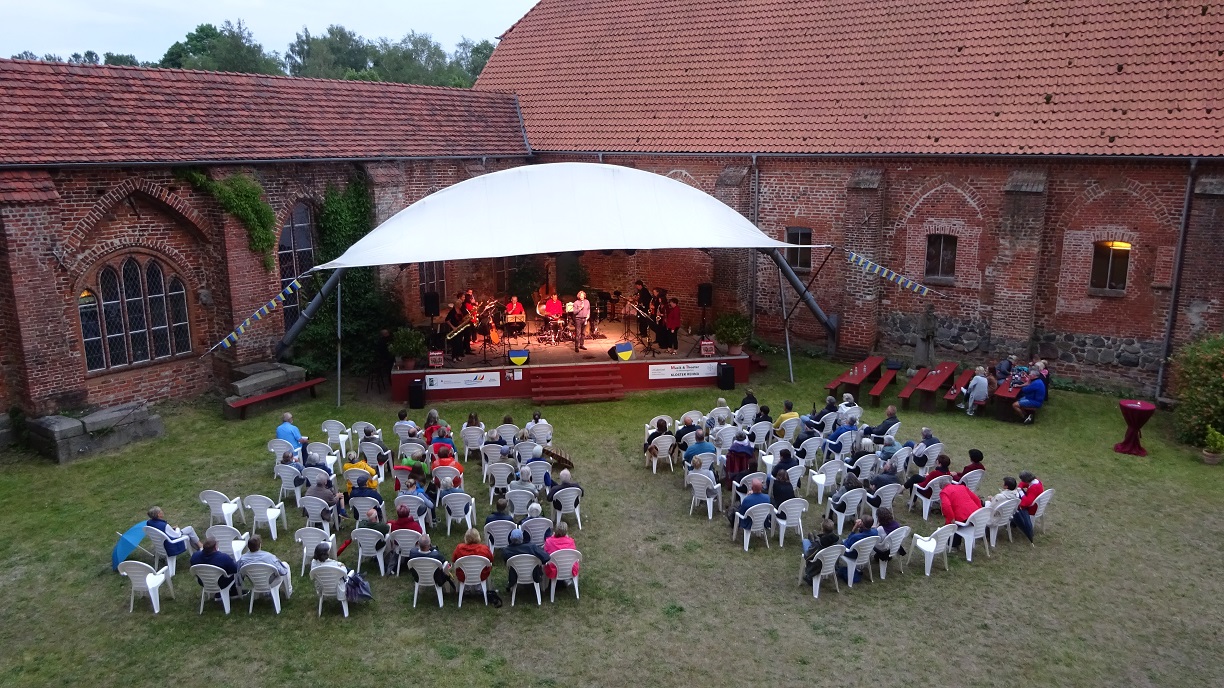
732 329
1215 441
408 342
1199 377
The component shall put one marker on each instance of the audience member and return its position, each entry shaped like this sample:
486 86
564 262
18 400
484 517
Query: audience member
1003 369
425 548
698 467
372 519
1009 491
520 545
322 557
700 445
405 520
718 415
886 523
445 456
356 460
473 421
256 555
494 437
363 489
919 454
812 545
209 554
1032 396
781 488
762 416
833 443
741 457
472 546
786 460
566 481
558 540
157 519
651 451
876 432
522 481
975 464
851 482
384 453
749 398
917 482
686 427
541 464
324 490
788 412
288 459
754 497
814 423
448 486
848 410
442 440
499 512
289 432
890 448
536 419
958 503
403 423
432 424
863 528
1031 488
978 390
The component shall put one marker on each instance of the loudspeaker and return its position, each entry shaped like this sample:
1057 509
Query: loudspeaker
416 394
705 295
437 341
726 376
431 304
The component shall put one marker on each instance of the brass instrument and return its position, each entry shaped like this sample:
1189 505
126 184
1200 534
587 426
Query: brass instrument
476 315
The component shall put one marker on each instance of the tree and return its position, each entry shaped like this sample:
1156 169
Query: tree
329 56
472 57
90 57
121 60
231 48
416 59
25 55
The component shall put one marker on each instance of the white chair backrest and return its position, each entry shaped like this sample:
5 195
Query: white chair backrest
224 534
901 460
287 474
696 415
1003 512
314 509
258 503
866 465
318 450
895 539
943 536
278 447
403 539
863 549
310 538
538 528
525 451
447 472
413 451
524 565
370 451
567 498
315 476
425 568
359 429
795 473
210 576
830 422
664 444
972 479
327 581
937 485
828 559
745 414
507 432
138 572
708 459
402 431
497 533
472 566
159 540
520 501
811 448
932 452
760 432
367 538
354 474
654 422
758 514
457 504
1042 501
892 431
542 433
334 430
792 509
719 413
980 519
539 469
700 484
565 559
215 500
725 436
888 493
414 503
490 453
501 473
776 449
260 575
831 469
358 506
746 481
852 499
472 436
789 428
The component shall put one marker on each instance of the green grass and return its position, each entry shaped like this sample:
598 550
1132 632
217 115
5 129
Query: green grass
1123 590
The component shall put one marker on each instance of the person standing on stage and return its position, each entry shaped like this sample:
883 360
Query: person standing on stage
582 312
671 323
469 308
455 318
643 303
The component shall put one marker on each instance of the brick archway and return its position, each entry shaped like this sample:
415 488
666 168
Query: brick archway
173 204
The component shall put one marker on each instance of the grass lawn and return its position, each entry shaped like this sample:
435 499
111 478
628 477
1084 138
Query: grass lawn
1123 589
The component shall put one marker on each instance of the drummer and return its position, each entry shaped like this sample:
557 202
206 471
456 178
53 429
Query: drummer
514 308
554 309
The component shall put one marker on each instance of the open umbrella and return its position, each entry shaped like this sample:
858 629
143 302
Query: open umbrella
128 542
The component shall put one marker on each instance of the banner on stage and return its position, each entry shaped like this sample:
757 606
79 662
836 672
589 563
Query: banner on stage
462 380
673 371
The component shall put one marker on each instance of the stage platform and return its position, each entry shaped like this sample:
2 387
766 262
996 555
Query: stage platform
558 374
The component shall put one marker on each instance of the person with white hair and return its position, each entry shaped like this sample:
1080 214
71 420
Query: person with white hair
257 555
848 409
157 519
537 456
289 432
566 480
720 413
919 455
448 486
977 390
523 480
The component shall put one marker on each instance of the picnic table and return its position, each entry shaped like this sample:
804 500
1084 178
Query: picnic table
865 371
1004 397
940 376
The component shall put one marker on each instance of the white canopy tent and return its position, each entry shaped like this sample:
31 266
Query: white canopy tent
552 208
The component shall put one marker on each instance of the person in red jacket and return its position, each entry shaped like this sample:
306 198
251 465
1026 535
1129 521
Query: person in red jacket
445 458
943 466
958 503
1030 487
671 322
975 464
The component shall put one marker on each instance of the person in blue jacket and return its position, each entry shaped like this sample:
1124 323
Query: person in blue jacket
1032 396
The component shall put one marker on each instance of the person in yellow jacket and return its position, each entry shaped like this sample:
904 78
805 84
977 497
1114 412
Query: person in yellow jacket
355 460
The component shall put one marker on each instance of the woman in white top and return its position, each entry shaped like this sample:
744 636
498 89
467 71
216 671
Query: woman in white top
321 558
848 409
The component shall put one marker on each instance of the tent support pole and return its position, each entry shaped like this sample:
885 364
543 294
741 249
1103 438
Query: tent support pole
829 321
786 328
338 337
311 308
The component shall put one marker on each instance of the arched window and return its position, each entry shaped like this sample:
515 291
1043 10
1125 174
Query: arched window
295 254
130 317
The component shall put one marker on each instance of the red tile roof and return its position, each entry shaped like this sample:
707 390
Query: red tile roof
64 114
1096 77
26 186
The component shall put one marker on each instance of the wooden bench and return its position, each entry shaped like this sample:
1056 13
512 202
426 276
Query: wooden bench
242 404
954 393
909 390
886 379
835 383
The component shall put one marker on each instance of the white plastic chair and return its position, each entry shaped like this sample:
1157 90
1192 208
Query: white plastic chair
519 501
724 437
371 452
972 479
287 475
146 582
697 416
936 486
893 541
539 469
973 529
665 445
1001 518
310 538
564 559
790 517
761 434
229 539
1042 502
459 506
261 577
160 540
542 434
358 506
411 450
507 432
719 413
866 465
497 534
367 540
321 452
471 439
401 542
934 545
352 475
425 568
828 558
830 423
489 455
758 515
861 560
746 483
337 436
768 458
795 474
501 473
566 502
358 430
314 513
221 507
210 577
745 414
811 449
890 432
525 451
278 447
887 494
442 472
931 453
852 499
329 584
472 571
401 431
538 528
419 511
313 476
652 425
849 441
264 510
901 459
789 428
825 478
524 566
701 487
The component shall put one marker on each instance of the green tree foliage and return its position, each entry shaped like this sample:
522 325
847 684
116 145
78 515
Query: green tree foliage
116 59
241 196
89 57
331 55
346 216
1199 377
231 48
472 57
25 55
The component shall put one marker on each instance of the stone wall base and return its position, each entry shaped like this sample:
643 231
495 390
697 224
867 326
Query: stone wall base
66 439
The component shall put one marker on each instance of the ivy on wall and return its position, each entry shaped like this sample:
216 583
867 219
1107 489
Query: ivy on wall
241 195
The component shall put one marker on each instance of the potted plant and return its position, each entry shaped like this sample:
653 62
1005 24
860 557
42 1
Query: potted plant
409 345
1214 451
733 329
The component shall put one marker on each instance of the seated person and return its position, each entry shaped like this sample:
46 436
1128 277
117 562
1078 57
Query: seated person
756 495
741 457
699 468
288 459
442 441
659 431
499 512
372 519
975 464
558 540
833 443
886 476
289 432
405 520
1009 491
567 480
472 546
1030 488
209 554
356 460
890 448
322 557
384 454
157 519
749 398
326 492
686 428
848 409
786 461
851 482
523 480
520 545
535 420
537 457
473 421
415 437
876 432
446 457
425 548
863 528
533 511
432 424
816 420
978 390
958 503
1003 369
315 460
720 408
256 555
762 416
700 445
919 483
363 489
448 486
788 412
886 524
492 437
781 488
1032 396
812 545
403 422
919 455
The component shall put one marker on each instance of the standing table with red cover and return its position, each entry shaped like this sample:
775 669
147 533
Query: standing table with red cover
1136 413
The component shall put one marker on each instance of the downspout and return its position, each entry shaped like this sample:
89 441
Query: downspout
752 266
307 313
1171 321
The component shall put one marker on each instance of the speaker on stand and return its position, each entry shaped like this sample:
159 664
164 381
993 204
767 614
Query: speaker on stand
705 299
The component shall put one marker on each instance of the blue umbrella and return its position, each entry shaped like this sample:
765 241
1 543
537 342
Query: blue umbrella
128 542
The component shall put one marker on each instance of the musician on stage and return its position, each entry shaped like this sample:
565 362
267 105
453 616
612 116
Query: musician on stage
456 318
671 325
643 302
554 309
514 308
582 313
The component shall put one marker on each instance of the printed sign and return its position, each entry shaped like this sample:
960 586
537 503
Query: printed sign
436 359
463 380
707 347
672 371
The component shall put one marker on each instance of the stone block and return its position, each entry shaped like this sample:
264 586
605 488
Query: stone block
116 415
243 372
72 448
55 428
293 374
258 383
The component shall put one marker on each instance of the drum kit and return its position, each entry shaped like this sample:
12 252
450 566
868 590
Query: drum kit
561 329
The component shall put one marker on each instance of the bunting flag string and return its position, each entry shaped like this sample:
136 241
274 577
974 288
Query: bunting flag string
263 312
900 280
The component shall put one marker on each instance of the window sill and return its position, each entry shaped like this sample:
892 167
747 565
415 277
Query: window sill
940 281
1107 293
136 367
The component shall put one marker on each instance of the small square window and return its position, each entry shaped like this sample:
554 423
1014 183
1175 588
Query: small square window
1110 261
941 256
799 254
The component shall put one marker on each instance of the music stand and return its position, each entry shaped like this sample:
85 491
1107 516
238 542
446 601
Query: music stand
647 344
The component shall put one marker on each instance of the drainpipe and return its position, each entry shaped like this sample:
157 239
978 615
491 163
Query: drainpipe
1171 320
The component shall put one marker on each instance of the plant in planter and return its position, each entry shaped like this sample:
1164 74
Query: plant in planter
409 345
1214 451
733 329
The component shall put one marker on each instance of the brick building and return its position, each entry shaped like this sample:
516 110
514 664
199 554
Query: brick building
1051 168
1031 161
